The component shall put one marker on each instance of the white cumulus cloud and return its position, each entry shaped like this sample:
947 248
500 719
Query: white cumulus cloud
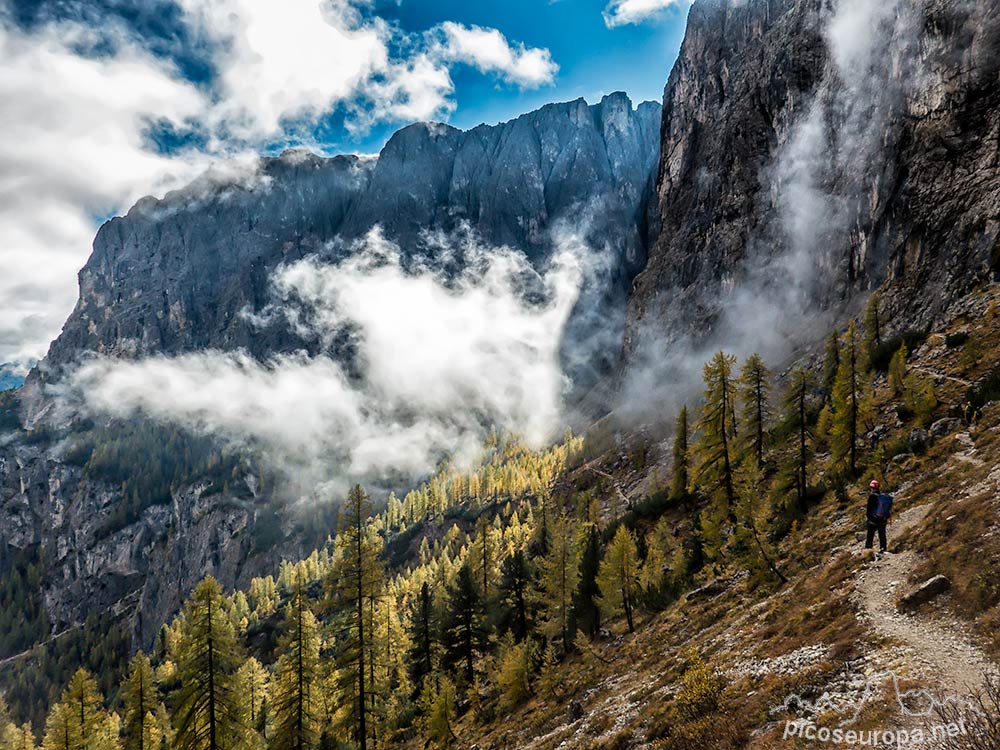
630 12
489 51
74 125
72 150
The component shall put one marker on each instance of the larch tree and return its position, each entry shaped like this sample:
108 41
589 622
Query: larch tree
296 703
873 328
654 576
483 556
715 449
23 738
59 729
619 575
681 455
140 729
437 705
85 708
897 370
560 572
356 583
109 732
8 729
847 403
208 710
796 407
831 362
755 402
749 488
254 686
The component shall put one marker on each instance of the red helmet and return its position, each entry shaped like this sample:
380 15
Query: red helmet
874 484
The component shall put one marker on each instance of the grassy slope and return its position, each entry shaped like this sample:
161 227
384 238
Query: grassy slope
806 637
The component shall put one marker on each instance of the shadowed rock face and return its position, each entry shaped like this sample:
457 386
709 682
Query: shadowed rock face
901 163
174 275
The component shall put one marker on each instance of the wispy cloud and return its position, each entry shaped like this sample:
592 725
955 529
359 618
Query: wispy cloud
439 358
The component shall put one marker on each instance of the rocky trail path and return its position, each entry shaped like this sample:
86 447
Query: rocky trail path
939 647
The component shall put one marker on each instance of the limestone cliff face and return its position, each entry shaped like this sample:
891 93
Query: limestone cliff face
175 274
800 149
141 572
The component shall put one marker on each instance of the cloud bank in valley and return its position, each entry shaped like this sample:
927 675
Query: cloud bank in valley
438 358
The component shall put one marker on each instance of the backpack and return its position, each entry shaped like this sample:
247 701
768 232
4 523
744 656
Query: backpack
884 506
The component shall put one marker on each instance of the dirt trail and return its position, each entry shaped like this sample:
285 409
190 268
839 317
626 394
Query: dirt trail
42 644
940 648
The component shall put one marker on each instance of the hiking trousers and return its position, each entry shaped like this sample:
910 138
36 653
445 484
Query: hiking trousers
873 526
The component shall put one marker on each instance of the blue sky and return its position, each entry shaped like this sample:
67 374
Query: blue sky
106 101
593 59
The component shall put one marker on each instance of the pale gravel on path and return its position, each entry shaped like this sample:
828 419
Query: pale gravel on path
940 646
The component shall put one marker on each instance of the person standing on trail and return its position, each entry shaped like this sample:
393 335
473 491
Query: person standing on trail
878 513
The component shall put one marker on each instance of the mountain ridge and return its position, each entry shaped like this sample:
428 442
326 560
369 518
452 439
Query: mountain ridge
508 182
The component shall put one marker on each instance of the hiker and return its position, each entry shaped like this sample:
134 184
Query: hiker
878 514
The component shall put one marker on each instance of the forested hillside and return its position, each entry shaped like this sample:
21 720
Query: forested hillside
600 590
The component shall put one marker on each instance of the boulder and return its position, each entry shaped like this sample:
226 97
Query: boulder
925 592
944 426
919 438
709 590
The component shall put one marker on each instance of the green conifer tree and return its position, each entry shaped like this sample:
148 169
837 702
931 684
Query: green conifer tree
587 600
515 581
464 631
422 637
